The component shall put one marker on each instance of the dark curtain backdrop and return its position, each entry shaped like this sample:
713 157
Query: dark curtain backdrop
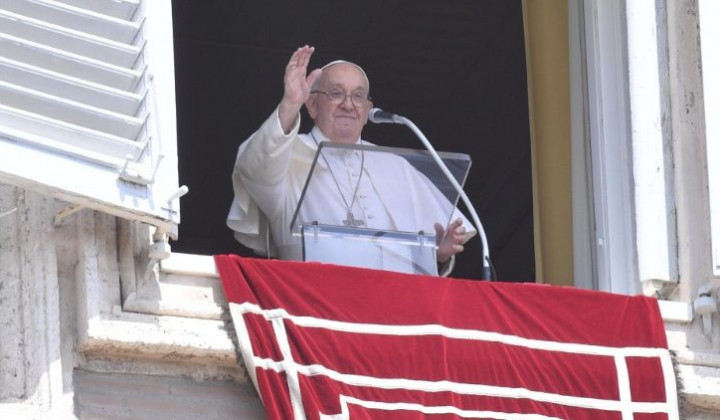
456 68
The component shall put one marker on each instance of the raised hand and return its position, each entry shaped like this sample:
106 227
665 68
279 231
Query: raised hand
451 243
297 86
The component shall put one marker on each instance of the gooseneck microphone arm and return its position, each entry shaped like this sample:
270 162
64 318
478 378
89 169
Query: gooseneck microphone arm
378 116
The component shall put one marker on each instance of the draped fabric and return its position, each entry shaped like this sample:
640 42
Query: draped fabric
330 342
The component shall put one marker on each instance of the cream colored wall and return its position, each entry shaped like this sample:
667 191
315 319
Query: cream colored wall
546 43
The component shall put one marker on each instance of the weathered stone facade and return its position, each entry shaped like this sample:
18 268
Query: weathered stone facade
73 346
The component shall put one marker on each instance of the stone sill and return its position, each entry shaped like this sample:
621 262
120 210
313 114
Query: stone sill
166 338
676 312
189 287
184 326
190 265
701 386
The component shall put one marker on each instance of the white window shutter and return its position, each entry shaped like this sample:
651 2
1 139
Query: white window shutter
87 104
709 13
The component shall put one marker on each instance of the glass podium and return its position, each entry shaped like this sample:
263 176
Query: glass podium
375 207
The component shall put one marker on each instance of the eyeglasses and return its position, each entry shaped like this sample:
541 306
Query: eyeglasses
338 96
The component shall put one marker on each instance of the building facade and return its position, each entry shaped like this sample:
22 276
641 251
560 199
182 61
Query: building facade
99 319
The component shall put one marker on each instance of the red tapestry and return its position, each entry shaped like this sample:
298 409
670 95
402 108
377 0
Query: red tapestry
329 342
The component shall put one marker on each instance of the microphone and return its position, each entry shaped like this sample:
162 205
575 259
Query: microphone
378 116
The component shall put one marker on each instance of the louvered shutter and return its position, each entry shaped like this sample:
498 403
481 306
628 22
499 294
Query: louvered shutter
87 104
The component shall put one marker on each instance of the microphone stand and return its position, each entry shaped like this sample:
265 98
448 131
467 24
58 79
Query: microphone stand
486 273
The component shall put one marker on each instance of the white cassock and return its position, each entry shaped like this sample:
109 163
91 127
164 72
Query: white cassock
382 190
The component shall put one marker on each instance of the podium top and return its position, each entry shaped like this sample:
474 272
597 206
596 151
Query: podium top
388 189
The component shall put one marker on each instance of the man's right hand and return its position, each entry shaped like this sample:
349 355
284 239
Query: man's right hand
297 86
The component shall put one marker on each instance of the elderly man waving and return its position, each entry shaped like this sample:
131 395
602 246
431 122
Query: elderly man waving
273 164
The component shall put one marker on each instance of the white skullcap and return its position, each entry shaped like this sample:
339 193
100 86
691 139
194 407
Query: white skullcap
332 63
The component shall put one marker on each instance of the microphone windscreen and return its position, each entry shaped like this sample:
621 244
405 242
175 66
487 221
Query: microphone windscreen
378 116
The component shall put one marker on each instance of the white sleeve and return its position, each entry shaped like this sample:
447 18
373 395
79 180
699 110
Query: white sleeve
258 181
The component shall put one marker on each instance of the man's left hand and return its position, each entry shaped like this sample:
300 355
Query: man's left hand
451 243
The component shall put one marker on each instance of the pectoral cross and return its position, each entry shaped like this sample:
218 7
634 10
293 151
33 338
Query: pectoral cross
351 221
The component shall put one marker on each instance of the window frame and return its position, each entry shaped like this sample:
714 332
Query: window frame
709 12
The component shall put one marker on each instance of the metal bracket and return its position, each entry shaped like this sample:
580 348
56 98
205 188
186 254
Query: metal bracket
65 212
421 238
177 194
138 175
159 250
705 306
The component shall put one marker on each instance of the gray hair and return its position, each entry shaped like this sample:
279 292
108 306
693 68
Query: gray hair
316 84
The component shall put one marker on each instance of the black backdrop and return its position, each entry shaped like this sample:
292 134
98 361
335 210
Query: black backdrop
454 67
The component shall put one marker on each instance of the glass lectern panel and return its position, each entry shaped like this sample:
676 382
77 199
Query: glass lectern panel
376 207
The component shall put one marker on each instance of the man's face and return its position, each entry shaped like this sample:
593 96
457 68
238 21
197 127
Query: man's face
341 122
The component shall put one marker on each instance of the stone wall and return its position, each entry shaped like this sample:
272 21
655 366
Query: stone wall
71 347
136 396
